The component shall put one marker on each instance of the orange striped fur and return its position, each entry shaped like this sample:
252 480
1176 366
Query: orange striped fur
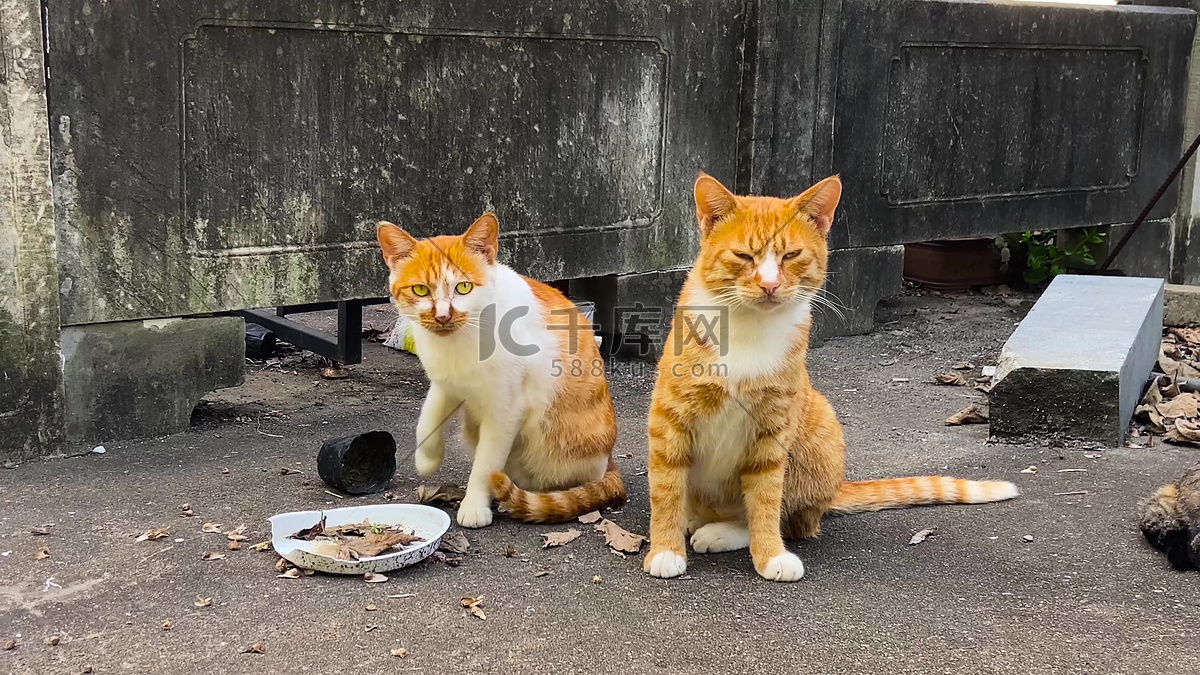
743 450
542 420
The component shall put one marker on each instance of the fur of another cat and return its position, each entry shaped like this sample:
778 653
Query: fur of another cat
1170 520
536 415
743 450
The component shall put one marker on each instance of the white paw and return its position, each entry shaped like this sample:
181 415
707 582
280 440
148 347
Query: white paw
429 457
783 567
718 537
474 515
667 564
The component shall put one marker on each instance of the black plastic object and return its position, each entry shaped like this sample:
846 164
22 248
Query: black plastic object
359 464
260 342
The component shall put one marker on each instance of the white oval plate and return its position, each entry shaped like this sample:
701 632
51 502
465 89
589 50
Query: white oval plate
425 521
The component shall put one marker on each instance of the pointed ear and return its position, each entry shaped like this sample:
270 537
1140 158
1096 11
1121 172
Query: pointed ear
395 243
483 236
713 201
820 201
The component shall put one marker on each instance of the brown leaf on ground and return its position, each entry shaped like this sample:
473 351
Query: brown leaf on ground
596 579
256 648
185 510
153 535
202 602
308 533
261 546
1029 469
455 542
168 625
8 645
286 471
374 578
400 653
40 531
553 539
282 565
971 414
43 552
293 573
618 537
1184 431
371 608
237 534
472 603
951 379
921 536
210 556
448 494
52 641
963 365
211 528
1173 366
510 551
87 669
225 471
589 517
233 546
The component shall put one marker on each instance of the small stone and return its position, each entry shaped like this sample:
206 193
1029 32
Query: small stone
1027 538
99 450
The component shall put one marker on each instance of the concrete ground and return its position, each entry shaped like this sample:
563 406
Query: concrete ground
1086 595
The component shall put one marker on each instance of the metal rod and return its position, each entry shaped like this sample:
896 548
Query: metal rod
1153 201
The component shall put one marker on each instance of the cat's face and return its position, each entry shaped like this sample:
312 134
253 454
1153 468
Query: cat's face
762 252
442 283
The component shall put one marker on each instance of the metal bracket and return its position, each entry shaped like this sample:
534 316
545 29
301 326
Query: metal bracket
344 348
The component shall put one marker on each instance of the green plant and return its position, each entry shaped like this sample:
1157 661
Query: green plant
1047 254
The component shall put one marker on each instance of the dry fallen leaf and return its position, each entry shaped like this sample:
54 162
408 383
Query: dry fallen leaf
454 542
202 602
951 379
400 653
40 531
293 573
233 546
87 669
596 579
42 552
8 645
963 365
282 565
153 535
971 414
541 573
310 533
211 528
589 517
167 625
261 546
286 471
238 534
921 536
210 556
510 551
185 510
1184 431
225 471
1029 469
619 538
473 605
374 578
554 539
448 494
371 608
52 641
256 648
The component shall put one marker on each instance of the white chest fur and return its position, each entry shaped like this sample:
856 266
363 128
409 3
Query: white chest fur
756 342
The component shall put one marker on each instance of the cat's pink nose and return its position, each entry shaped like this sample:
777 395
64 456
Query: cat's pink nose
769 286
442 319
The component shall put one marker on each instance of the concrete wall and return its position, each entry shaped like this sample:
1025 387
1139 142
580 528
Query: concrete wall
30 375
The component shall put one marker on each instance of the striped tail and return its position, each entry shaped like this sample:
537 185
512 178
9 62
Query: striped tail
897 493
563 505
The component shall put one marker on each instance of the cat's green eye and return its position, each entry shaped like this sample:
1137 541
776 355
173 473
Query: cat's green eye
744 256
464 287
420 290
790 255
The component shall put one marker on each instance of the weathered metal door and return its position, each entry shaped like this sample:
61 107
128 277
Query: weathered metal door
217 155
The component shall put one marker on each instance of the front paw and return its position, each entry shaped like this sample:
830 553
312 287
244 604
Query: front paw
471 514
428 458
784 567
665 564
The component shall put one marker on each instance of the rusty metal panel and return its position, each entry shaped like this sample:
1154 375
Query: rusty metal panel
221 155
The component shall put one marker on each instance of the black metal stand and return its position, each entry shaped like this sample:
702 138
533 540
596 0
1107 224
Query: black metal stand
345 348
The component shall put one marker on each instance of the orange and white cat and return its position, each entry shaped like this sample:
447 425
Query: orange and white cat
743 450
514 358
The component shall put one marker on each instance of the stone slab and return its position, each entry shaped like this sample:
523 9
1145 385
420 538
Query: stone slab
136 379
1181 305
1076 365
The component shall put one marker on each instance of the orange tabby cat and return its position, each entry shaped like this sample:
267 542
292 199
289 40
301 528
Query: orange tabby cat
534 402
743 450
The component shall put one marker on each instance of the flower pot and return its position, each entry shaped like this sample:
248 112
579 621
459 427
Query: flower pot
954 264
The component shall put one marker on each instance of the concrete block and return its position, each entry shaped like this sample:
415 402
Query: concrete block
143 378
1181 305
1075 366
